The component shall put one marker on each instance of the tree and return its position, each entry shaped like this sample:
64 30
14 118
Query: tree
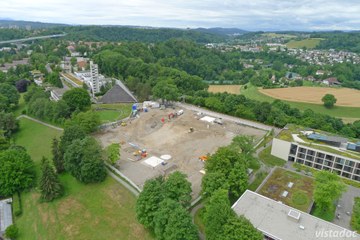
217 213
57 156
77 98
148 202
113 153
22 85
12 232
71 133
73 61
178 188
166 90
244 143
84 160
88 121
238 180
328 188
240 228
10 93
16 171
180 225
54 79
329 100
49 185
213 181
8 123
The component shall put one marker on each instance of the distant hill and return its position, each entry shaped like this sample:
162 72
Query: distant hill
9 23
222 31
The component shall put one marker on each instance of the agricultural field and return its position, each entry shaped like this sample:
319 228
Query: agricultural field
234 89
349 113
112 112
346 97
299 195
308 43
93 211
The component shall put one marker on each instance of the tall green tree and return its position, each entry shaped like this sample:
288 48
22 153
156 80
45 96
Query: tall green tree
166 90
178 188
240 228
77 98
10 93
328 188
88 121
84 160
148 202
217 213
329 100
57 156
16 171
8 123
50 186
113 153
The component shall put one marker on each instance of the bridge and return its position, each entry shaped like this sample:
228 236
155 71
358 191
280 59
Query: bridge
33 38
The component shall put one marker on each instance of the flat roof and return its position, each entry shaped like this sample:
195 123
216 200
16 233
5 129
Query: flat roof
279 221
5 214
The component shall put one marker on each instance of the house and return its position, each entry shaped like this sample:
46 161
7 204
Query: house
320 73
278 221
310 78
331 81
5 215
37 76
293 76
119 93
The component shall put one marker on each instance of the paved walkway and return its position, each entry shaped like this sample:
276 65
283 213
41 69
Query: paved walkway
41 122
125 184
192 213
345 207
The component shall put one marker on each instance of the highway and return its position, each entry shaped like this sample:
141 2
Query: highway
33 38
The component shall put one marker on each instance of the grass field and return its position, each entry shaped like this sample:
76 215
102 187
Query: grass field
346 97
36 138
341 112
21 106
112 112
269 159
93 211
300 195
234 89
308 43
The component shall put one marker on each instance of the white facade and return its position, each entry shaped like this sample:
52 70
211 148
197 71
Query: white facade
280 149
94 77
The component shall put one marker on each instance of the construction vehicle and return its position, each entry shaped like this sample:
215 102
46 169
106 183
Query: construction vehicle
191 130
203 158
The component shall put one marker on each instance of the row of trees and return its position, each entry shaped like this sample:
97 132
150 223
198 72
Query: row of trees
225 181
161 207
277 113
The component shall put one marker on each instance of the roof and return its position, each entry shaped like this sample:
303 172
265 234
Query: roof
281 221
332 80
119 93
5 214
325 138
59 91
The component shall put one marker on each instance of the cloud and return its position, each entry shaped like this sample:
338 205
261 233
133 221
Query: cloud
250 14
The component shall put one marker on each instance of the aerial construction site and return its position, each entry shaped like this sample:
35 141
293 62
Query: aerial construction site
158 142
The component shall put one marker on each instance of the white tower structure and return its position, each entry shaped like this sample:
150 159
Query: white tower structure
94 77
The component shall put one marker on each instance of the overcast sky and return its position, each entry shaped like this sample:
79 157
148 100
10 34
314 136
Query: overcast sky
245 14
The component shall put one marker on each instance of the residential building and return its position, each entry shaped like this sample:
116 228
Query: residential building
319 151
278 221
95 86
331 81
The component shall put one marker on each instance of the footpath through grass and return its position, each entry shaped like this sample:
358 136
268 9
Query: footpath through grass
93 211
340 112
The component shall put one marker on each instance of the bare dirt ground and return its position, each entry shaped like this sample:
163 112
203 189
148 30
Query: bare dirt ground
345 96
173 138
234 89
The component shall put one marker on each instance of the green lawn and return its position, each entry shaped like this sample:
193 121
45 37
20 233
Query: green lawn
269 159
93 211
340 112
308 43
36 138
112 112
299 195
21 106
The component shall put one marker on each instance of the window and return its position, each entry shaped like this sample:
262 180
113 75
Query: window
345 174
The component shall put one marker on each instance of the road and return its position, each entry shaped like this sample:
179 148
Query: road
226 117
33 38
